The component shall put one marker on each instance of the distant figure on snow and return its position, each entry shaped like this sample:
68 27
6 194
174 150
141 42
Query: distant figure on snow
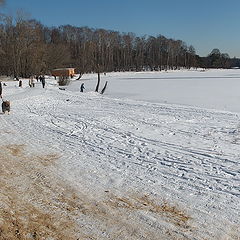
20 83
42 80
0 89
6 106
33 81
82 87
30 82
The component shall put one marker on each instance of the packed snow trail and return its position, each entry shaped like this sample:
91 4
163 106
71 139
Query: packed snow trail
84 166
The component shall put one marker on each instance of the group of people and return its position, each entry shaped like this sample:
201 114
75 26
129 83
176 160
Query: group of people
32 81
41 78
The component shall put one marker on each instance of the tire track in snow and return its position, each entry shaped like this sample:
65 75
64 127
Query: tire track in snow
118 142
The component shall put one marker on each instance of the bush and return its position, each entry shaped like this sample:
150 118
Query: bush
63 81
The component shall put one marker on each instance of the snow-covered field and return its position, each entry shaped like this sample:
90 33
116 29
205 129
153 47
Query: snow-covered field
155 157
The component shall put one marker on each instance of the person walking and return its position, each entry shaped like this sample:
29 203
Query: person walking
20 83
30 82
0 89
82 87
42 79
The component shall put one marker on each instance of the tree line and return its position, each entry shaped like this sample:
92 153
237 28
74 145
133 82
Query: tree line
28 47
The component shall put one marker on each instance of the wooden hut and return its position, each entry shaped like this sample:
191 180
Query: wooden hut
63 72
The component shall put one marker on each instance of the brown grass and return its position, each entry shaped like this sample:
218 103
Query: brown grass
15 149
145 203
26 206
48 159
36 204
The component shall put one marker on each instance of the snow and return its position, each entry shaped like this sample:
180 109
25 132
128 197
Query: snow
156 157
216 89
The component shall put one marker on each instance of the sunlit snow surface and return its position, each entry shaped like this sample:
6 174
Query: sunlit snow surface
155 157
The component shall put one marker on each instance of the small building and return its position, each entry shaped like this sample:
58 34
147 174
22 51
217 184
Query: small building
63 72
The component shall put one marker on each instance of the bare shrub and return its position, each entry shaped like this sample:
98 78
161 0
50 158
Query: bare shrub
63 81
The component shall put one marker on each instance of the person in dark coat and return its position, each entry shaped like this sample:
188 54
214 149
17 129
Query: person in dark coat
6 106
20 83
42 79
0 89
82 87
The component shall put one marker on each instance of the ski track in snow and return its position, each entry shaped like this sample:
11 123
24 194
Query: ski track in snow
113 149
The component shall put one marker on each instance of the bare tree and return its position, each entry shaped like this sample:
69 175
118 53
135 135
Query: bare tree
98 82
27 47
104 88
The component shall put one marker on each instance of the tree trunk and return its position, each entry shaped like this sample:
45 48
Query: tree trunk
80 75
104 88
98 83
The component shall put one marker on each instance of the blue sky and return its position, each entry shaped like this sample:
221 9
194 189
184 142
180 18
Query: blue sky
205 24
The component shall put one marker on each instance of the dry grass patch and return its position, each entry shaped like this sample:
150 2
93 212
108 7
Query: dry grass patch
15 149
169 212
27 208
48 159
36 204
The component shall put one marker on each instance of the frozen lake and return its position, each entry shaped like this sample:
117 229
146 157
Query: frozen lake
214 89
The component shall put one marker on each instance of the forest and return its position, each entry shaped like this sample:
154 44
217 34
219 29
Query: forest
27 48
